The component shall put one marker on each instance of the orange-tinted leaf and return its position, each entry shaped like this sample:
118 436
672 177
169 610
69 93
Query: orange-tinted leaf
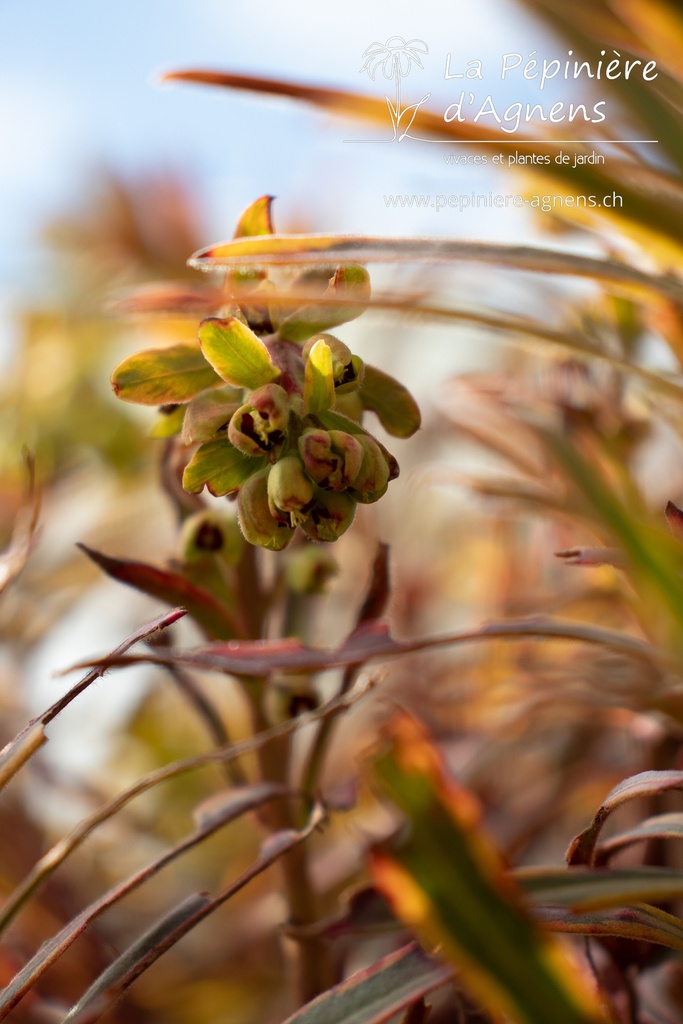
445 879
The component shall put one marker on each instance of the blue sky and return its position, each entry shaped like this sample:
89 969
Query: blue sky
77 92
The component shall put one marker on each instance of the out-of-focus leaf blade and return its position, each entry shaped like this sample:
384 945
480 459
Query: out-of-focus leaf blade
652 200
168 423
372 640
224 809
584 889
661 826
220 467
213 617
645 784
448 881
236 354
164 376
167 932
15 557
350 283
396 408
17 752
638 922
377 993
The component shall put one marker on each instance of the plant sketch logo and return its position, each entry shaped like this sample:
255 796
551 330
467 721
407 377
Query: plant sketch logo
396 58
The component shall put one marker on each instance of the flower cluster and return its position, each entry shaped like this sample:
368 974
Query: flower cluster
271 403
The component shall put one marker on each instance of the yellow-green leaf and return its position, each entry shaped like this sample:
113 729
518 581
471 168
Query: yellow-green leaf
236 354
220 467
208 412
255 220
319 379
164 376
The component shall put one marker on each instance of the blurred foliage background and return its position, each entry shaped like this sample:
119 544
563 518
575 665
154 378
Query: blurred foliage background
561 434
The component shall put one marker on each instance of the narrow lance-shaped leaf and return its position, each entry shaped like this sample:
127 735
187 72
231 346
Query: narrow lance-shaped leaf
318 379
215 619
372 641
224 808
585 889
660 826
582 847
377 993
642 922
164 376
447 881
167 932
235 353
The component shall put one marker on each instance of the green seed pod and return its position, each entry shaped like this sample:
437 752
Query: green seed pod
330 516
309 568
289 490
256 522
208 533
375 470
260 426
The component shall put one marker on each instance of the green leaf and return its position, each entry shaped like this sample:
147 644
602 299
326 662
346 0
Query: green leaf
256 220
220 467
447 881
209 412
214 618
584 889
164 376
235 353
350 282
318 379
638 922
377 993
393 404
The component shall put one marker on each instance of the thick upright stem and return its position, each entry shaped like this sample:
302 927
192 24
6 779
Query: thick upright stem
313 967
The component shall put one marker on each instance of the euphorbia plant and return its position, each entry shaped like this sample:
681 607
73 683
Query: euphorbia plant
270 404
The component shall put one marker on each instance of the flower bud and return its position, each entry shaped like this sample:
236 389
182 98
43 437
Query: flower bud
330 516
208 533
374 472
260 426
289 490
258 525
332 458
347 369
